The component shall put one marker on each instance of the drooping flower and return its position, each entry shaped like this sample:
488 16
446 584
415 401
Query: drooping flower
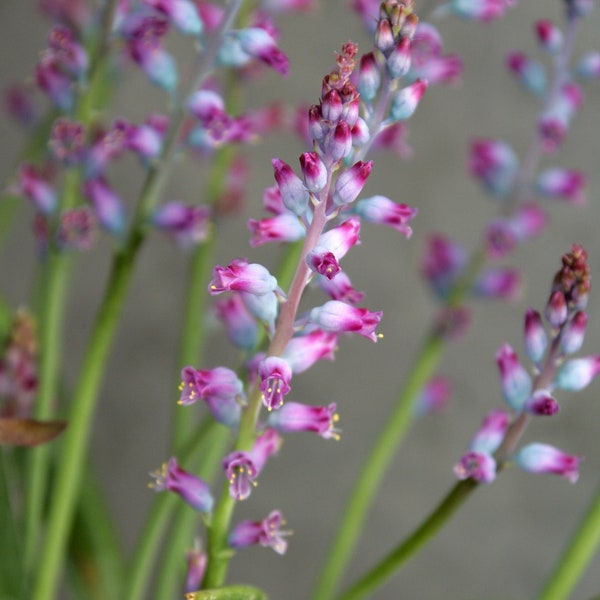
196 567
266 533
543 458
530 73
516 382
293 416
577 373
541 404
494 164
107 205
339 317
220 388
275 374
383 211
241 276
193 490
479 466
242 468
242 329
303 351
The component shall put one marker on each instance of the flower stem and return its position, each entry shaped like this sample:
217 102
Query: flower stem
399 555
374 469
576 557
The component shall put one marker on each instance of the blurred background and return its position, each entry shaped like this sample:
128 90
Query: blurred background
505 540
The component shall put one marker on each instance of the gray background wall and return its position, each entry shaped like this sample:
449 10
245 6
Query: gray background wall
506 539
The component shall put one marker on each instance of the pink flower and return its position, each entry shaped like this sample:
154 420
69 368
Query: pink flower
338 317
242 277
265 533
542 458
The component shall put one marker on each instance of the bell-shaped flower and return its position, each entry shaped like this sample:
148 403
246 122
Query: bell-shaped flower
275 374
405 102
536 338
193 490
241 46
332 246
266 533
369 77
285 227
541 404
242 468
50 78
314 172
578 373
293 192
542 458
293 416
516 382
479 466
351 182
339 317
220 388
383 211
554 122
240 276
398 60
303 351
70 55
556 311
491 433
573 333
337 145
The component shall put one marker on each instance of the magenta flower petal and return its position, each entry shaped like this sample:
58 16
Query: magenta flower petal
266 533
542 458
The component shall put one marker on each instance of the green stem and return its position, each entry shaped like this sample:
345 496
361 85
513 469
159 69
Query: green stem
390 564
208 441
374 469
234 592
78 433
12 574
576 557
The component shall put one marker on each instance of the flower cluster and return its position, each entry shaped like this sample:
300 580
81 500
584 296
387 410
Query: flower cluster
320 208
554 368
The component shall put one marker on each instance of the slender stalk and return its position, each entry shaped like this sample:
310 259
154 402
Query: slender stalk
372 473
399 555
209 442
12 573
576 557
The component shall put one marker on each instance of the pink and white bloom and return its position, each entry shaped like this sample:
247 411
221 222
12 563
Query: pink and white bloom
285 227
33 185
332 246
339 317
578 373
275 374
405 102
383 211
541 404
562 184
241 326
303 351
542 458
294 194
240 276
551 37
479 466
242 468
193 490
351 182
293 416
516 382
340 288
266 533
491 433
536 338
187 225
107 205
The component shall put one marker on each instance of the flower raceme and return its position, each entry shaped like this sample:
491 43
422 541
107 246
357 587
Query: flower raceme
549 352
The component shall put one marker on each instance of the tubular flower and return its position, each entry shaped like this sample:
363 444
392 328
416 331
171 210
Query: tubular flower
242 328
275 374
186 225
265 533
479 466
303 351
516 382
242 277
242 468
293 416
494 164
36 188
107 205
383 211
220 388
542 458
192 489
338 317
